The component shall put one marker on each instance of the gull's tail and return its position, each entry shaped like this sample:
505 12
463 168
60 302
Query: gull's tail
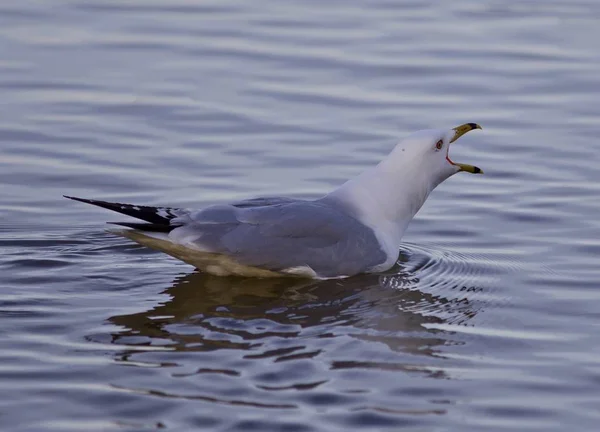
158 218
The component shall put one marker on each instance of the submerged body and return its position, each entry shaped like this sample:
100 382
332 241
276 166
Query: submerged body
355 229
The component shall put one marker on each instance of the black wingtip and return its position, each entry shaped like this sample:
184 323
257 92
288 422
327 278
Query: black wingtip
77 199
153 215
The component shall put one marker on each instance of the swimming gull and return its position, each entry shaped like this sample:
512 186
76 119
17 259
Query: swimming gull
355 229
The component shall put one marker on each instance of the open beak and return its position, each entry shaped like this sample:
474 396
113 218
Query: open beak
458 132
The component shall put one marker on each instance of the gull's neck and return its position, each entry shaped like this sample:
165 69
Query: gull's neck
386 197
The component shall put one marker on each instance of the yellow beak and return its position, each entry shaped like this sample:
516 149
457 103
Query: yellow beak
469 168
458 132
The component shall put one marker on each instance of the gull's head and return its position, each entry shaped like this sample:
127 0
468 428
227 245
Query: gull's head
427 151
397 187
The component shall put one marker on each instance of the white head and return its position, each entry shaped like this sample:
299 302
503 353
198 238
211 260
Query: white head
397 187
423 156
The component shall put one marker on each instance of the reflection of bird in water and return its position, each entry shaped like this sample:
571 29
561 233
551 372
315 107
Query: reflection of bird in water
208 313
304 348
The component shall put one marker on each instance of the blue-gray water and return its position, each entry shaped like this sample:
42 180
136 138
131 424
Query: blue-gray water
491 320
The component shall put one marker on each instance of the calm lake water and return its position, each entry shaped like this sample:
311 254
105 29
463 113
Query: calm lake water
489 322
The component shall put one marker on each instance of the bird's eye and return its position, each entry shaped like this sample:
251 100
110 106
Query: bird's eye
439 145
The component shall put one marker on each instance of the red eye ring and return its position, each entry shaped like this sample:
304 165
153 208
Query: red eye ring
439 145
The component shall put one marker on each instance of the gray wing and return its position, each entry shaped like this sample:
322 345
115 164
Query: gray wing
279 234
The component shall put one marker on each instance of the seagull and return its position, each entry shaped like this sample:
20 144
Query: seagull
355 229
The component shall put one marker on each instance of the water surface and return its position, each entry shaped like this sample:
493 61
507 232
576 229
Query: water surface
490 319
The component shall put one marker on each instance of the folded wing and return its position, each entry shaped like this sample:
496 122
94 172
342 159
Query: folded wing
285 235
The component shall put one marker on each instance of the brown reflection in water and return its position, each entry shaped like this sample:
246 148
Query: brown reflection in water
207 313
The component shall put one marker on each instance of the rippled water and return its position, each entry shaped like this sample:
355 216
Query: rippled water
490 320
